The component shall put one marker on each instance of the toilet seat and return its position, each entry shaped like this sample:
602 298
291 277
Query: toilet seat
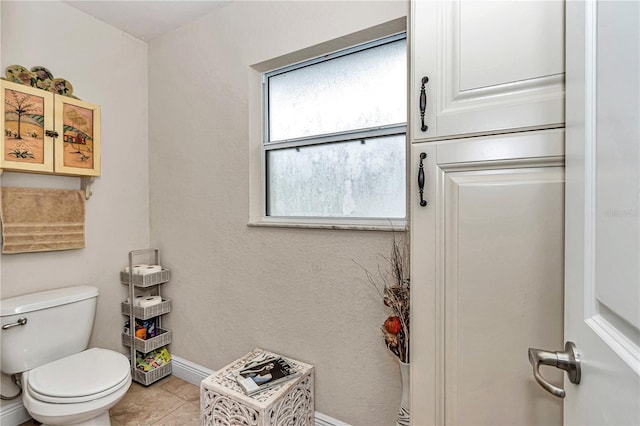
85 376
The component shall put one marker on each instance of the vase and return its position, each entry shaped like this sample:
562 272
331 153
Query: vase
403 414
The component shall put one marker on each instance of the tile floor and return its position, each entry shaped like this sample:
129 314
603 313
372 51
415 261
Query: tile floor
168 402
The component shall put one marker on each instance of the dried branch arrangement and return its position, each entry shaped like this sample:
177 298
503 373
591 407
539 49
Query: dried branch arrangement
393 284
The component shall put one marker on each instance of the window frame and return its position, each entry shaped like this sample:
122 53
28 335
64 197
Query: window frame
344 136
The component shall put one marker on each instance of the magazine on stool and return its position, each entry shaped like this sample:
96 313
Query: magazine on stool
264 372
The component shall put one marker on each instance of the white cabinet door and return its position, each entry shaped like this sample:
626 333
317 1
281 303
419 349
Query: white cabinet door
603 211
492 66
487 278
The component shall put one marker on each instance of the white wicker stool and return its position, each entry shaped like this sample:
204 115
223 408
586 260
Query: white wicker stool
291 403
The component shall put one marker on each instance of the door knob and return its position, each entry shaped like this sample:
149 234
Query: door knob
567 360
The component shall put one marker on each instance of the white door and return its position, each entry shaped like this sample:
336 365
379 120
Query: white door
602 272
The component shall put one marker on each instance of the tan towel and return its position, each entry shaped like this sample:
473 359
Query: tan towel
35 219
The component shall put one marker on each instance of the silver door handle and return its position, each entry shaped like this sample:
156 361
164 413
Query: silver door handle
567 360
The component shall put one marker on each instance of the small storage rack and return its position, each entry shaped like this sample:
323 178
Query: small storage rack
152 281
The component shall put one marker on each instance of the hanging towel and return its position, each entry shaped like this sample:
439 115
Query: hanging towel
35 219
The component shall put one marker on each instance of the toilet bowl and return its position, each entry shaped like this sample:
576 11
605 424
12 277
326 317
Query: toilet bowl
75 389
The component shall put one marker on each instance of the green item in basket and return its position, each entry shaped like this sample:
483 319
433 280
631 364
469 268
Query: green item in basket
165 354
153 359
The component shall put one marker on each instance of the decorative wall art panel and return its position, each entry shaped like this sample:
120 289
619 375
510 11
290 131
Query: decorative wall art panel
27 113
77 146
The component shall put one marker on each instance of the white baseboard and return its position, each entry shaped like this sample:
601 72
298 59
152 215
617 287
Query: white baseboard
194 374
189 371
324 420
13 413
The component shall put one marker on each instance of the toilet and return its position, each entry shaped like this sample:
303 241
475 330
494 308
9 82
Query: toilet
45 337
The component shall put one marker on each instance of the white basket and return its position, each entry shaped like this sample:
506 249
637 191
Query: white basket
147 312
146 346
146 280
146 378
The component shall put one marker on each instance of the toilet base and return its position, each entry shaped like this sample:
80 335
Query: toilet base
102 420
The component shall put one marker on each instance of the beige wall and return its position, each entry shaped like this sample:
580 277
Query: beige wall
108 68
234 287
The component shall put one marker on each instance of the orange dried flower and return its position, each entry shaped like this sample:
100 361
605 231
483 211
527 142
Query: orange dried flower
392 325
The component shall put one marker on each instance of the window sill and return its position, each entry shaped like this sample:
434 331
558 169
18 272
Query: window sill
399 225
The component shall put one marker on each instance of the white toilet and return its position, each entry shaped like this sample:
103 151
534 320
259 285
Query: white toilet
45 337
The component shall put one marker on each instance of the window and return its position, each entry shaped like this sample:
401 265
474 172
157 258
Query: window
335 136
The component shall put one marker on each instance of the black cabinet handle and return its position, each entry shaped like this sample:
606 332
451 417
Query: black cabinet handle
423 202
423 103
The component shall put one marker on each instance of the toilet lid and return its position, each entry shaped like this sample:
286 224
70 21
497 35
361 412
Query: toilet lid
81 376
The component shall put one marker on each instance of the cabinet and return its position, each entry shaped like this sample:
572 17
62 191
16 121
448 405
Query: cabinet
492 66
487 214
48 133
486 278
140 283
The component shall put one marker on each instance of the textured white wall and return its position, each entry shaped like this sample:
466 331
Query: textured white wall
108 68
234 287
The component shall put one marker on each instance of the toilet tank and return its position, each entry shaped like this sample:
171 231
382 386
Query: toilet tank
59 323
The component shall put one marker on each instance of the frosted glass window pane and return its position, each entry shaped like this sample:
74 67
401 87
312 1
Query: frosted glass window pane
357 91
342 179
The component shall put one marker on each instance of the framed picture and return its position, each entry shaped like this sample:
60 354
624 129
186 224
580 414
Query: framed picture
27 113
77 145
